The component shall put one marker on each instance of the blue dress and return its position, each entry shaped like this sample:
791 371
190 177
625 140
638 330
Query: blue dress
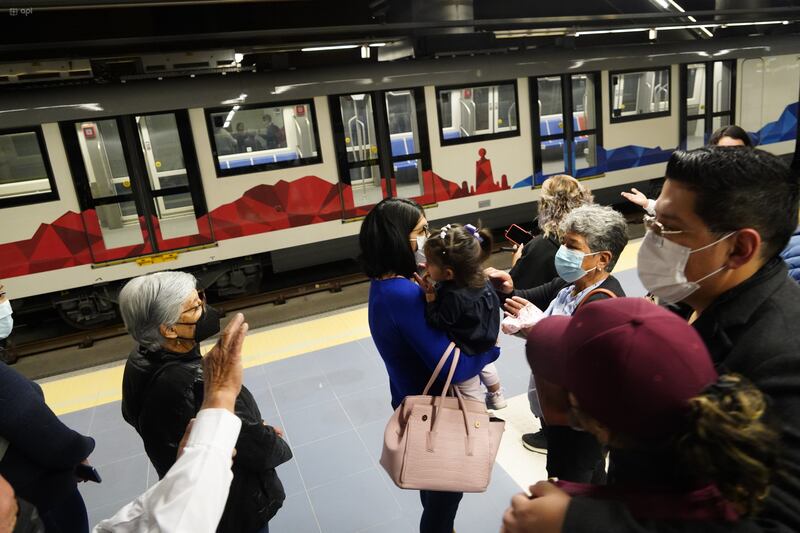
409 347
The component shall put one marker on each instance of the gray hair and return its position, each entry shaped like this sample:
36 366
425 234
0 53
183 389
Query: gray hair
146 302
603 228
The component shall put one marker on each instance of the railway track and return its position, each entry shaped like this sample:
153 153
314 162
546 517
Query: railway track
85 339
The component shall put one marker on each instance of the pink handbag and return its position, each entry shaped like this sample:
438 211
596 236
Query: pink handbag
444 443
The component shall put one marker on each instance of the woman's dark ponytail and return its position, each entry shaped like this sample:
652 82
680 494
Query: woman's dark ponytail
487 242
729 444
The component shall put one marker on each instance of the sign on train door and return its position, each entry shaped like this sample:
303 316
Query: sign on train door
382 148
138 184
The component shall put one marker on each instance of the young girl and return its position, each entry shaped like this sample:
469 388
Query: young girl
462 302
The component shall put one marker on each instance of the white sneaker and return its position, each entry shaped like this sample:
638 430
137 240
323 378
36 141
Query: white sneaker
496 400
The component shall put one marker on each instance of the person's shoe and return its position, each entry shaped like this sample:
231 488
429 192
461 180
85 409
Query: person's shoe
496 400
535 442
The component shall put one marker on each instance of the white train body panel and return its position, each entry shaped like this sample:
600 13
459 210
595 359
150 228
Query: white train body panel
766 88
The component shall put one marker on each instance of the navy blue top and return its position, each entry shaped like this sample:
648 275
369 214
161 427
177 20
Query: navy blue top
42 452
470 316
410 348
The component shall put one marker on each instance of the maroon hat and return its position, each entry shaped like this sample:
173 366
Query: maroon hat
631 365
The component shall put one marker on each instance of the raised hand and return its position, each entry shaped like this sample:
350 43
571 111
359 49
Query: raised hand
222 366
517 254
635 197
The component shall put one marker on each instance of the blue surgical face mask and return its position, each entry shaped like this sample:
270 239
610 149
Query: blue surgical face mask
569 264
6 320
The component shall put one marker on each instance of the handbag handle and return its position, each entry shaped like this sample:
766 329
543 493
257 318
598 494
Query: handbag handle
439 366
439 401
594 292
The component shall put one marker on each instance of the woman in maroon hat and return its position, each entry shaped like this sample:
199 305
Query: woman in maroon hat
685 444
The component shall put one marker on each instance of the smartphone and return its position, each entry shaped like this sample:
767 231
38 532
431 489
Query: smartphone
88 473
517 235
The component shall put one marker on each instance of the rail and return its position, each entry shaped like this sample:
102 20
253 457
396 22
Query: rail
85 339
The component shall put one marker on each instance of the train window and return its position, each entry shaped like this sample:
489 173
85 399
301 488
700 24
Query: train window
470 114
583 102
25 176
549 96
707 94
640 95
584 148
406 145
254 138
567 109
723 89
446 110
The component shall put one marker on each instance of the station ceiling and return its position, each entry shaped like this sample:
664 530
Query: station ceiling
271 34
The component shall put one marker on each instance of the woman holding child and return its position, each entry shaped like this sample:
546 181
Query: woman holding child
392 233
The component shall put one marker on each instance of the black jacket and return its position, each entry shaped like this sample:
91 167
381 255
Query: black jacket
537 264
542 295
753 330
42 452
470 316
162 391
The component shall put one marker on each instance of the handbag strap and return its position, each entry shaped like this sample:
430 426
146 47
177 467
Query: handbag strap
440 365
593 293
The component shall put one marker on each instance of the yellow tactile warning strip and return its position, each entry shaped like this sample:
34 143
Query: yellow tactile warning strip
98 387
104 386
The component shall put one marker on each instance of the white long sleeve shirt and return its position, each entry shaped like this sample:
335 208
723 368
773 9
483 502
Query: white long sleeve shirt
650 207
192 495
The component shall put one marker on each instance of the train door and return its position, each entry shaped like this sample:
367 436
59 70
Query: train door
707 100
138 184
567 109
382 147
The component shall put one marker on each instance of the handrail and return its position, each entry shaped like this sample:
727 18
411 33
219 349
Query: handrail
512 107
299 135
470 117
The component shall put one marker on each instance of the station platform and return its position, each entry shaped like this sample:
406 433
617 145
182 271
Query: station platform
322 381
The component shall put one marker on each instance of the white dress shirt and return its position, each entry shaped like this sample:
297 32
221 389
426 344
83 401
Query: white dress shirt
192 496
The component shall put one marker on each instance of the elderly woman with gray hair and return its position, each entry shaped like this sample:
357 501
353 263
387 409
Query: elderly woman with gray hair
593 238
162 390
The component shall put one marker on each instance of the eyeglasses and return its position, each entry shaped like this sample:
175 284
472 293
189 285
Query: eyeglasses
424 231
200 294
657 227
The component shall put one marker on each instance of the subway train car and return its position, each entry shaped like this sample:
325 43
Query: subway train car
240 176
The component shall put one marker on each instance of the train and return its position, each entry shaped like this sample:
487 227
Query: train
242 176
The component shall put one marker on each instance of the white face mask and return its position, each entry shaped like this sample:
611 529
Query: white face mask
419 255
662 264
6 321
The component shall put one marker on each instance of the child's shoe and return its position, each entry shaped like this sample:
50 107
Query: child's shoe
496 400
